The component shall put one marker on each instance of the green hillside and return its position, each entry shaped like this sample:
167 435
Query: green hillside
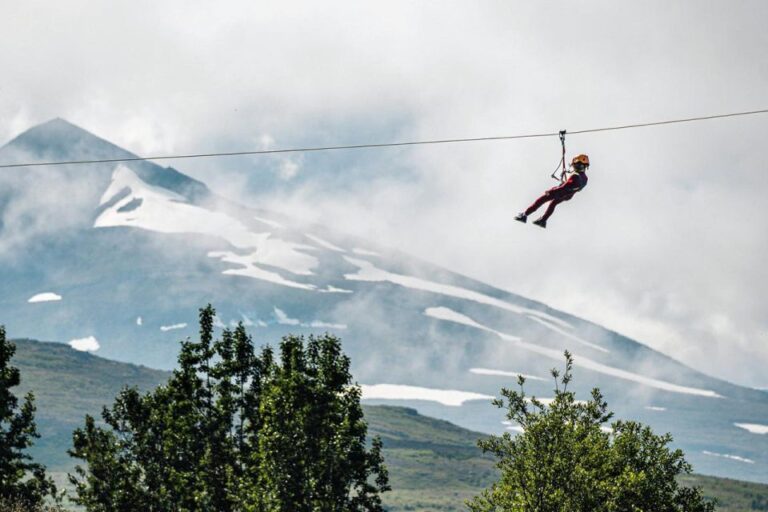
69 384
434 465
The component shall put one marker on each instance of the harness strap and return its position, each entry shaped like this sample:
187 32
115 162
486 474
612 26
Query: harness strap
562 160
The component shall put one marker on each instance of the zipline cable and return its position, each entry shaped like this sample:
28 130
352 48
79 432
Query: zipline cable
382 145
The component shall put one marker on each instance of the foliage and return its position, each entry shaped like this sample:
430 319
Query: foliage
21 481
16 505
235 430
563 460
433 465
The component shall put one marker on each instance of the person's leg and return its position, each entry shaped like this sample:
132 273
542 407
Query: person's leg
551 208
537 204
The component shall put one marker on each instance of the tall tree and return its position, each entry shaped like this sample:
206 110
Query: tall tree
564 460
21 480
311 444
232 430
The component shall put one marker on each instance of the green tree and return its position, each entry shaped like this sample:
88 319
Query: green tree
564 461
234 430
311 446
21 480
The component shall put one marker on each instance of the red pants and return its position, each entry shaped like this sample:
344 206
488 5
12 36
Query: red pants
556 196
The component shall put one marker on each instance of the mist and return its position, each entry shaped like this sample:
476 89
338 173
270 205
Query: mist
665 245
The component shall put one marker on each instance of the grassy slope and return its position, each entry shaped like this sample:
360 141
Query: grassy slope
434 465
68 385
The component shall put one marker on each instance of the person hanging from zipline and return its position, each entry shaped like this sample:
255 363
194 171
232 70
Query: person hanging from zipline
571 182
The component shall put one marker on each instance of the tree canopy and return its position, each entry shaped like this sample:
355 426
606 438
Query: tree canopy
566 459
236 430
22 481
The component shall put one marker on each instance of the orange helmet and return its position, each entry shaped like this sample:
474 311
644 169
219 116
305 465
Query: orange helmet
580 159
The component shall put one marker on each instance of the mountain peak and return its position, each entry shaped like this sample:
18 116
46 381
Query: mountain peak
60 140
56 123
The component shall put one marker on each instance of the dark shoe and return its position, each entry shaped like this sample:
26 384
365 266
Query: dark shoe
522 217
541 222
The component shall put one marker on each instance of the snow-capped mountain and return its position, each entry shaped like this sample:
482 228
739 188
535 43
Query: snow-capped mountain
118 257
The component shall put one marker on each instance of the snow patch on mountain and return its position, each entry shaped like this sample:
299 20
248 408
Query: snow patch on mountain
333 289
174 327
449 397
655 408
369 272
450 315
284 319
270 223
164 211
568 335
317 324
247 322
276 253
44 297
89 344
753 428
512 427
249 269
324 243
728 456
447 314
161 210
502 373
364 252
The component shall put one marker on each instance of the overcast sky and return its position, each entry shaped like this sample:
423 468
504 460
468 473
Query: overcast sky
667 244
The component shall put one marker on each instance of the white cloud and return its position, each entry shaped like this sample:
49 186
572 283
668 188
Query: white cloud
89 344
653 260
45 297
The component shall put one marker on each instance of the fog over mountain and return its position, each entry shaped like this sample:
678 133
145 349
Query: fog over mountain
116 258
669 237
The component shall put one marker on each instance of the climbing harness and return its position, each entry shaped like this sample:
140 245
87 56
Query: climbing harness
561 178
